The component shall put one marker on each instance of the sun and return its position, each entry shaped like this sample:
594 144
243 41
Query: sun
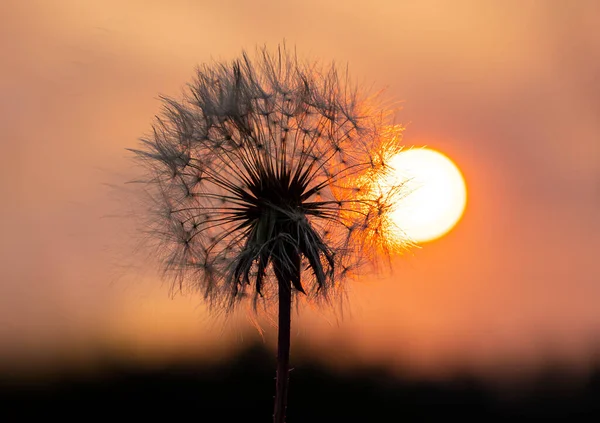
434 197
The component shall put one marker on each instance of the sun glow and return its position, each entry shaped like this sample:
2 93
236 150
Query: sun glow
434 194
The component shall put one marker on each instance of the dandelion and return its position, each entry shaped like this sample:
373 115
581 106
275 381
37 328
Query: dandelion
264 185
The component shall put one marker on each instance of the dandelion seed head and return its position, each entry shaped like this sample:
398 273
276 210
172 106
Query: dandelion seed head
266 169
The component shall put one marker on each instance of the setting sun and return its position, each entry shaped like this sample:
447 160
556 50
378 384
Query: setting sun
435 196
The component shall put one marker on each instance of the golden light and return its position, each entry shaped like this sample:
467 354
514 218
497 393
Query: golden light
435 194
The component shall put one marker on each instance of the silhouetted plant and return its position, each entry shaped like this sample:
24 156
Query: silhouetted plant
264 182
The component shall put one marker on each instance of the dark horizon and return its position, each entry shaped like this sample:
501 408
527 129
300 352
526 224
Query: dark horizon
242 388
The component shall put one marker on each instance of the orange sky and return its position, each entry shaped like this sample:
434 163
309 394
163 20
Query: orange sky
508 89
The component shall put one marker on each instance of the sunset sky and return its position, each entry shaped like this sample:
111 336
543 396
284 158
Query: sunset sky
510 90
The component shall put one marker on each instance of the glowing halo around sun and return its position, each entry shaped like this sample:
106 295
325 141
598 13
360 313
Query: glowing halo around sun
434 194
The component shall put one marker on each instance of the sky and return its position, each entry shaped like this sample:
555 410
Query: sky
508 89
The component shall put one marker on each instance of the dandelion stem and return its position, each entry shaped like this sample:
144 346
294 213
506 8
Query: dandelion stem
283 349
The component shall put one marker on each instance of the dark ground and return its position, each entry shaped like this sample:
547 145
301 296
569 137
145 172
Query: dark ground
242 391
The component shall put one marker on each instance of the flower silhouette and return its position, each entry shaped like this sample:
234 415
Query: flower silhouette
264 184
